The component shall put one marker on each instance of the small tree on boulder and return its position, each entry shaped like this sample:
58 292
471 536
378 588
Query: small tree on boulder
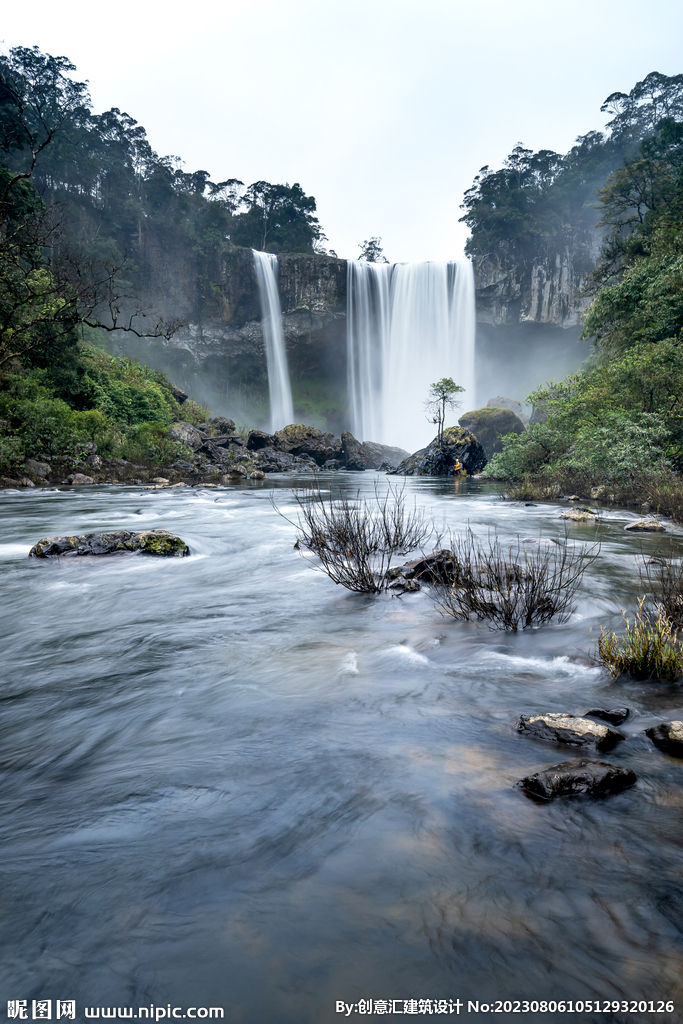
441 397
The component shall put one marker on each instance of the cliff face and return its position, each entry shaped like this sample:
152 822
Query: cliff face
529 317
512 290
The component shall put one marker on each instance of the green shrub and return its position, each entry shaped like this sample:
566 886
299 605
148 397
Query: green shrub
649 648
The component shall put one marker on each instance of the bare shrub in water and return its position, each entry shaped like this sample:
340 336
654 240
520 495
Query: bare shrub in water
648 649
355 539
512 587
665 578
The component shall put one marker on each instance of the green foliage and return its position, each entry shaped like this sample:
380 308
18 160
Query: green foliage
538 203
649 648
194 413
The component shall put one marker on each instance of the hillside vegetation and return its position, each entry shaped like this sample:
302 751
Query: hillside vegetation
618 422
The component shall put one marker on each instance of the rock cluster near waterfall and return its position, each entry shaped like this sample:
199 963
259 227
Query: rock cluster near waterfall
457 450
490 425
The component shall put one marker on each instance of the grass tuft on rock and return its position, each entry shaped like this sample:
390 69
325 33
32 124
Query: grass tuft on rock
648 649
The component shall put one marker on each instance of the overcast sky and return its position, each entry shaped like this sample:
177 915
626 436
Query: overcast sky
382 109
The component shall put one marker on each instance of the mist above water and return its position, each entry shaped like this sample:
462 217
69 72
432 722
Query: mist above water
409 324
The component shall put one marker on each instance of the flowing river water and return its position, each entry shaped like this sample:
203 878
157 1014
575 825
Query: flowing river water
227 782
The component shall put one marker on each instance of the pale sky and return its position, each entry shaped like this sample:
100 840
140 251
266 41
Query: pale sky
384 110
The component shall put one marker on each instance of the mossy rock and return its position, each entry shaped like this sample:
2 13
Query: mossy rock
147 542
490 425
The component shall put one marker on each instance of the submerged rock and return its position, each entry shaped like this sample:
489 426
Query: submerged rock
148 542
615 716
646 526
458 448
594 778
565 728
490 425
667 736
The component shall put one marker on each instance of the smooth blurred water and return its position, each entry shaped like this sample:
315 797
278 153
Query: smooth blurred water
228 782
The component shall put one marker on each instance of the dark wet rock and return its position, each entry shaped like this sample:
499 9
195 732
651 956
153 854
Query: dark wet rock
353 456
592 778
441 458
566 728
187 434
667 736
184 467
257 439
148 542
384 457
298 439
437 567
646 526
228 441
404 586
80 479
272 461
615 716
490 425
223 425
180 396
332 465
40 469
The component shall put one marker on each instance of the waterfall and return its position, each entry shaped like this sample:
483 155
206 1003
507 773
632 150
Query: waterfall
281 408
409 325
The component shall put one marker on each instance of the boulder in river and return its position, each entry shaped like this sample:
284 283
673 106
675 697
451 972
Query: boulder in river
147 542
565 728
593 778
80 479
490 425
383 456
298 439
352 452
646 526
615 716
457 448
667 736
580 515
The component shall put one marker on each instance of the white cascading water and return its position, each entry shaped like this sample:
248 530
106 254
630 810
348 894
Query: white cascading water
279 388
409 325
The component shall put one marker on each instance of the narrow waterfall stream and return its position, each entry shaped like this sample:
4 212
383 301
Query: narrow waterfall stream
279 388
409 324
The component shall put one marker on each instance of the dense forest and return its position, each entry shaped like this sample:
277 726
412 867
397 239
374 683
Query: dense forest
95 228
619 422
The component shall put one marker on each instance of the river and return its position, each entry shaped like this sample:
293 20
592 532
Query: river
227 782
